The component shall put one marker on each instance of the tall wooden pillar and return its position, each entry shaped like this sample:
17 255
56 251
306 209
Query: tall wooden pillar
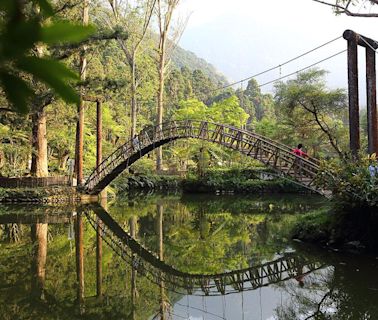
354 118
371 95
99 133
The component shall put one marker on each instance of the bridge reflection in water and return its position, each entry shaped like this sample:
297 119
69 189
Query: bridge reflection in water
149 265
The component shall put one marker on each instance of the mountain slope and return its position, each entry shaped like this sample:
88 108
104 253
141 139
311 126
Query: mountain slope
184 58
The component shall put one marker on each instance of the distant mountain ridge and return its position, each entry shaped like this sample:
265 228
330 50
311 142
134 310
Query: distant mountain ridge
184 58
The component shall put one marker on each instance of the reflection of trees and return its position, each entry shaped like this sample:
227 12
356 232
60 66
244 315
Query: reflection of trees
79 230
38 265
26 269
252 204
310 301
337 292
11 232
199 241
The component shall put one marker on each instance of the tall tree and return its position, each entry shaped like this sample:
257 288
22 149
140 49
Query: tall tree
80 122
167 42
39 165
135 18
306 99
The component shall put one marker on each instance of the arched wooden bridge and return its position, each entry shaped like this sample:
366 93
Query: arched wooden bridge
274 155
149 265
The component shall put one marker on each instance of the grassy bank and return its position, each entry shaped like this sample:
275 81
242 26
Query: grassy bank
346 229
227 180
39 195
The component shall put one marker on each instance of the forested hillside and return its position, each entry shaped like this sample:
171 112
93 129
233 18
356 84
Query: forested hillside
184 58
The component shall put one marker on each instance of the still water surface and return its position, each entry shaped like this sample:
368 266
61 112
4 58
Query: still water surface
176 257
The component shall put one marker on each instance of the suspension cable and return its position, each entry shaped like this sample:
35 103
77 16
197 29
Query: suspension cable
300 70
276 67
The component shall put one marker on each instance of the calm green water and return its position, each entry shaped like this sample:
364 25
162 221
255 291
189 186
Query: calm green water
176 257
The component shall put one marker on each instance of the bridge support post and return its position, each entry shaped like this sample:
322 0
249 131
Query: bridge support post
371 95
354 40
103 193
354 118
99 133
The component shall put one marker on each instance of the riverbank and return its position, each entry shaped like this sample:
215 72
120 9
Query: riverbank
213 181
57 194
345 229
252 181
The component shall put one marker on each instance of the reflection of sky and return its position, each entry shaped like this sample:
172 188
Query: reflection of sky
241 38
262 303
257 304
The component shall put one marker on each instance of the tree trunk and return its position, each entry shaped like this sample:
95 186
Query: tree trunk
80 124
39 166
159 151
38 269
133 97
79 148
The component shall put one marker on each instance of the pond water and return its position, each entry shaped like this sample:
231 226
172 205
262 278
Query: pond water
176 257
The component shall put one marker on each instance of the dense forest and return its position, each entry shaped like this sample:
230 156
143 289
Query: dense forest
129 59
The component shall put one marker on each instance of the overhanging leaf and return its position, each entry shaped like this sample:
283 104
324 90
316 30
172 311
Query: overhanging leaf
54 74
44 68
19 37
60 32
17 91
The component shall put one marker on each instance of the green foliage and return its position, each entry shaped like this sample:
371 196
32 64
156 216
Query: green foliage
20 34
228 111
238 181
64 32
314 227
145 181
351 183
313 114
205 154
191 109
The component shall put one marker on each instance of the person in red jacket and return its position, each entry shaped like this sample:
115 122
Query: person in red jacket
299 152
298 162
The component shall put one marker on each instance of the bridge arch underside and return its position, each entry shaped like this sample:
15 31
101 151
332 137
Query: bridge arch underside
279 158
126 164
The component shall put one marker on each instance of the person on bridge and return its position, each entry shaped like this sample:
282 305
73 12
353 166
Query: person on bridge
299 152
298 162
373 169
136 143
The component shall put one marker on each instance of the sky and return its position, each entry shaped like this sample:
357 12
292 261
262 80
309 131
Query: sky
244 37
